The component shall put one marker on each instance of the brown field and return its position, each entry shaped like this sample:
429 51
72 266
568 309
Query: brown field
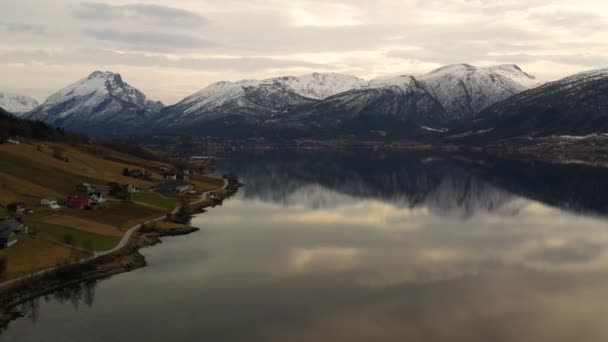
119 157
122 215
204 183
30 255
30 172
82 224
169 225
14 189
80 163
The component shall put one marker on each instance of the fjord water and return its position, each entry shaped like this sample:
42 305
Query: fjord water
364 247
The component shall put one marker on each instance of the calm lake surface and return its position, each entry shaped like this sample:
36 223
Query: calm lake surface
364 247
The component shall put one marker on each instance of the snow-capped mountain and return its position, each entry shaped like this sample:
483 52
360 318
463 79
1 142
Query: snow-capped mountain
244 97
229 108
98 104
251 105
330 104
464 90
314 86
576 105
392 108
17 104
321 86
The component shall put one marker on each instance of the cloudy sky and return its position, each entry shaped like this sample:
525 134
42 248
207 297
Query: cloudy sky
171 52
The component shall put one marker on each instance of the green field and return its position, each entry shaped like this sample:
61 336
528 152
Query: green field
156 200
80 238
118 214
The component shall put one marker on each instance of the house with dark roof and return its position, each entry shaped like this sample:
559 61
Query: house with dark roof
9 228
85 188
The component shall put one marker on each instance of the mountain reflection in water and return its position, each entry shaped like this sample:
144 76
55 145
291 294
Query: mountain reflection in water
447 185
360 247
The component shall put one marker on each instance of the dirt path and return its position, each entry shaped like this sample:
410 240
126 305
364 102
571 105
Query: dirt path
123 242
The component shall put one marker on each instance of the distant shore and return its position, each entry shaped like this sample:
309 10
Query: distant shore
591 149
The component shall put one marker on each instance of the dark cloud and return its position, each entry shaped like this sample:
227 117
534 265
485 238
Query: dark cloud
142 12
22 28
150 41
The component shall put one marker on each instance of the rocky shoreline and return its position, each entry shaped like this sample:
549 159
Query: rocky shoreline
124 260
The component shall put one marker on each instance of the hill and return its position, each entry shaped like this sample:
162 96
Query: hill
34 169
11 126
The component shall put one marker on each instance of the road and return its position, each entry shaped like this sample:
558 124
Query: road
122 243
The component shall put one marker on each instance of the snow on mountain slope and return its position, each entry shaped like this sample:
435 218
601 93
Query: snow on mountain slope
516 74
314 86
402 81
573 106
216 95
17 104
465 90
402 103
390 108
239 104
321 86
99 103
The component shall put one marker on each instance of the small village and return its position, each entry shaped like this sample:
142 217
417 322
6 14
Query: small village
63 203
86 196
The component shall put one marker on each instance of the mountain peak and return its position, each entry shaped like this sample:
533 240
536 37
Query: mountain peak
106 75
102 74
465 90
510 66
95 102
16 103
452 68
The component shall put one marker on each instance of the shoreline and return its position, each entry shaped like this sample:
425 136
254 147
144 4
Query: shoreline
125 258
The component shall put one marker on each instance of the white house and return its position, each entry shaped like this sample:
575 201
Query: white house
132 189
50 202
96 198
47 202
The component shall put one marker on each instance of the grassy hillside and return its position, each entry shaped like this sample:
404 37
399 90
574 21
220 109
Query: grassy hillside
35 170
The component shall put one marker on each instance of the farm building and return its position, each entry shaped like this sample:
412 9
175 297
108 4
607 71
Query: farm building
9 228
78 202
50 202
85 188
170 176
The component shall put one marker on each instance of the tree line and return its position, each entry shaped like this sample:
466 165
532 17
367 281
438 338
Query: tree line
11 127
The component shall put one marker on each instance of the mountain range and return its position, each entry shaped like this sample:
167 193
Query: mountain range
327 105
456 101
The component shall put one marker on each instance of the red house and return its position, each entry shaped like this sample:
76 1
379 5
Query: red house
78 202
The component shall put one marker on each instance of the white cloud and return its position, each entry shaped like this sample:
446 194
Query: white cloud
236 39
